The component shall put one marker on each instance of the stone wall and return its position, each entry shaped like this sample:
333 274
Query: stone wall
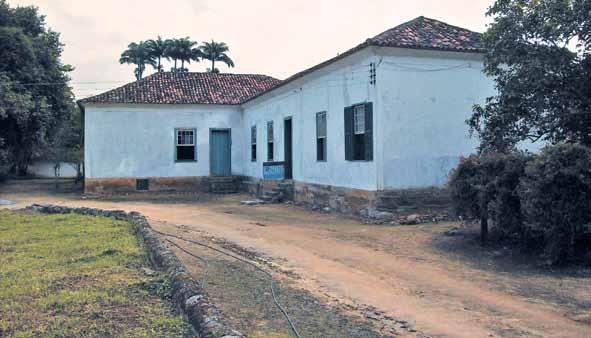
419 200
98 186
187 294
343 200
426 204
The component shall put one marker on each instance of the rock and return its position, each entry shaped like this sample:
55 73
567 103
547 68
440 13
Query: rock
584 318
149 272
410 219
252 202
326 209
192 301
6 202
452 232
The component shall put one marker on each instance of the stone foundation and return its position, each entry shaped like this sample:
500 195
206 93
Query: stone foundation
428 203
344 200
431 200
98 186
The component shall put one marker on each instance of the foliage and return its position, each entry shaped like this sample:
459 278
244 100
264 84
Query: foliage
157 50
35 98
140 55
556 199
185 50
216 51
539 56
485 187
78 276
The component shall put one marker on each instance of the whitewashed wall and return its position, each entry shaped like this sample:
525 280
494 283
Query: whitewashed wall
424 100
329 89
46 169
138 140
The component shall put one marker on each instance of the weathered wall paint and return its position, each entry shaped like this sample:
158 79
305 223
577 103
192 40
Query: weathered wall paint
424 101
330 89
138 140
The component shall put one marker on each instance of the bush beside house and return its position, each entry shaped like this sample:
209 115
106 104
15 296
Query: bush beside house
539 203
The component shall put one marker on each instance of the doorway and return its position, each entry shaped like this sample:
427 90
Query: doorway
288 149
220 152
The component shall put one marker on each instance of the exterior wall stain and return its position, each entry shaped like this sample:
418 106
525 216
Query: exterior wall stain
99 186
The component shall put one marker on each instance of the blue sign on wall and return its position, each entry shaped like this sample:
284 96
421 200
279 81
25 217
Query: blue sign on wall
273 170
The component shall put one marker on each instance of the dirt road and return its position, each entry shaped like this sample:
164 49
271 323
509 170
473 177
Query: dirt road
409 272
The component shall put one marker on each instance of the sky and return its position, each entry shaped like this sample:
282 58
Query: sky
271 37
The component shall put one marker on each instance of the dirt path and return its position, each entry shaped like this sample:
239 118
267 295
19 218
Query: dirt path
394 269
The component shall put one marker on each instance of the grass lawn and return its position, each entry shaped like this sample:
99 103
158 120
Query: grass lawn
72 275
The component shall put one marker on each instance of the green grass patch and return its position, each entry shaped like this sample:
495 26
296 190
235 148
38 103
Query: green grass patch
72 275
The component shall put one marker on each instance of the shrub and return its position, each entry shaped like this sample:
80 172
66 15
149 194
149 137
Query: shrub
486 187
556 200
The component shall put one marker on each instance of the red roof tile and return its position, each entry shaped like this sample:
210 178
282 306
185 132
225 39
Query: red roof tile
425 33
188 88
234 89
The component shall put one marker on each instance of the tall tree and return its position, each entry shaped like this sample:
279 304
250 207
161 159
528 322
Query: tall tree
138 54
185 49
157 49
539 56
35 99
216 51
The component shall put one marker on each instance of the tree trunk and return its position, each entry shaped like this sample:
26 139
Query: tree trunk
484 228
213 65
175 64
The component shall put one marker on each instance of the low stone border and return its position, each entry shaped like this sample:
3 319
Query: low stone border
187 294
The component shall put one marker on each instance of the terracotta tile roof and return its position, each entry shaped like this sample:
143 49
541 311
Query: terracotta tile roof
234 89
419 33
425 33
188 88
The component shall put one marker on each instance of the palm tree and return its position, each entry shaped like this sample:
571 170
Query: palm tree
138 54
185 48
158 50
171 51
216 51
181 49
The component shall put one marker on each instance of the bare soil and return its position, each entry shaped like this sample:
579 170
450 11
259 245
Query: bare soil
405 280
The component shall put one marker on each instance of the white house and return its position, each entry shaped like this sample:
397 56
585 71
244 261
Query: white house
383 122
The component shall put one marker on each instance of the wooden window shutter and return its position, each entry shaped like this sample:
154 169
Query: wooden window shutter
348 133
369 131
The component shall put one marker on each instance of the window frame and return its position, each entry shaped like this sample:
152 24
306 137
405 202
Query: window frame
270 141
351 135
253 143
176 144
323 137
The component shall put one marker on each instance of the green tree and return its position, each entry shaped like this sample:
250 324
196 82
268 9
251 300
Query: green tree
180 50
157 49
216 51
539 56
35 99
138 54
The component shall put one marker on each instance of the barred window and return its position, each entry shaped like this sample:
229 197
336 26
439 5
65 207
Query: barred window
185 145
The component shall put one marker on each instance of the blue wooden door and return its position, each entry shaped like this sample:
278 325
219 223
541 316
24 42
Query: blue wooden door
220 153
